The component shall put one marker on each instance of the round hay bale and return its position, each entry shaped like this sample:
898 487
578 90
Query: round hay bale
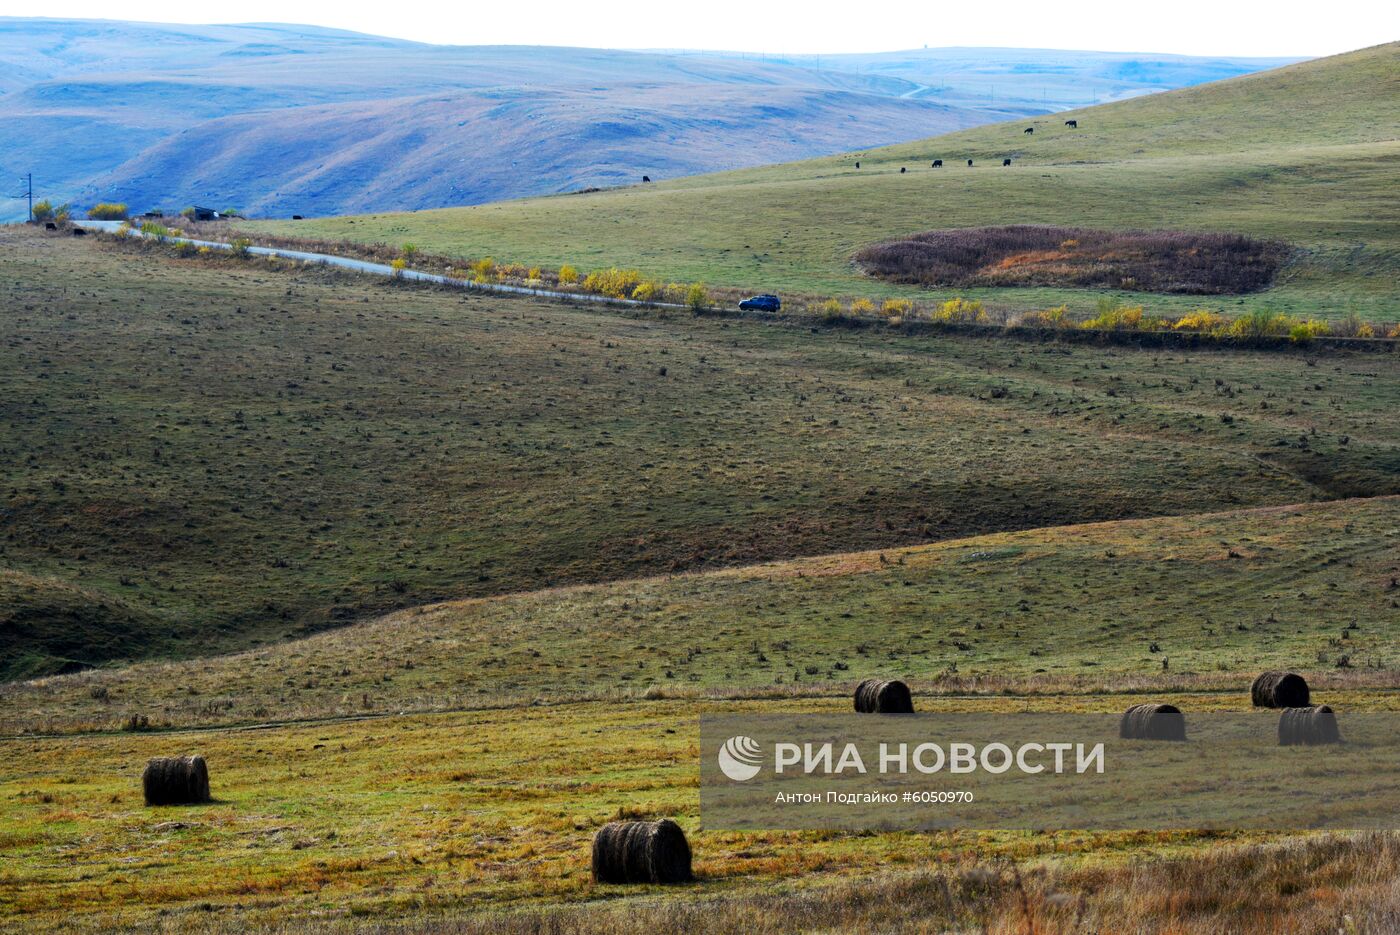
1280 690
1310 726
1152 722
641 852
884 696
176 780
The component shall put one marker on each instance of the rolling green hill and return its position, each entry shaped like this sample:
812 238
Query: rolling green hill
1309 154
253 452
1167 604
48 625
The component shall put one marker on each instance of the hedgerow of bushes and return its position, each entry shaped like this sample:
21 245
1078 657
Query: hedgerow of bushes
1109 317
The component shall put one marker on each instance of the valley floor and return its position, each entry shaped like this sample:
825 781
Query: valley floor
421 817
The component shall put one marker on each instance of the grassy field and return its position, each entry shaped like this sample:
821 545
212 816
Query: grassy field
343 799
478 814
1308 154
1175 604
230 453
440 583
181 423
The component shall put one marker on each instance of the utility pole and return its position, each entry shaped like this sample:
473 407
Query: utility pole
29 193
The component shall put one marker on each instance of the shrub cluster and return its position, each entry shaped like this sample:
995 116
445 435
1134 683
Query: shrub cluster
1057 317
1114 317
47 211
960 311
897 309
108 211
1202 319
483 270
613 282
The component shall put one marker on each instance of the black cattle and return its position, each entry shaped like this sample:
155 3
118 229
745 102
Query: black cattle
296 217
969 163
1006 162
1072 123
938 163
50 226
646 178
79 232
1028 130
857 165
902 170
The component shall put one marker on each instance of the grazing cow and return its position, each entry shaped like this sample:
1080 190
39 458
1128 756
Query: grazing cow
1072 123
1006 162
79 232
857 165
938 163
296 217
1028 130
50 226
646 178
969 163
901 170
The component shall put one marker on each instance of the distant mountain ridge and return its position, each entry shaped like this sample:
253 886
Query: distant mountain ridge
279 119
1056 79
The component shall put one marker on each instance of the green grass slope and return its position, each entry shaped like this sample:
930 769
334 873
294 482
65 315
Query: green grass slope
1174 604
1309 154
49 626
253 453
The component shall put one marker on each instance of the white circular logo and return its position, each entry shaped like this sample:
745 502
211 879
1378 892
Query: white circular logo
739 758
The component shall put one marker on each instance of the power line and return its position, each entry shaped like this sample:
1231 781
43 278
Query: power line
28 181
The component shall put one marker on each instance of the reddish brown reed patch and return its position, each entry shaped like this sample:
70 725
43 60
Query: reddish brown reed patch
1031 255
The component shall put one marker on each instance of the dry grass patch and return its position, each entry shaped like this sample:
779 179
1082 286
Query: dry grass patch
1042 255
410 819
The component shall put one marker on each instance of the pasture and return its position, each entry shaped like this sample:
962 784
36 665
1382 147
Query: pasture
230 453
439 583
1173 604
487 814
1305 154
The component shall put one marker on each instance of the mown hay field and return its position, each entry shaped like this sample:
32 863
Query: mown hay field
411 818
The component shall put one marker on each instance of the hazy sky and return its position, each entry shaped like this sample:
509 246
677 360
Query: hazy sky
1195 27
